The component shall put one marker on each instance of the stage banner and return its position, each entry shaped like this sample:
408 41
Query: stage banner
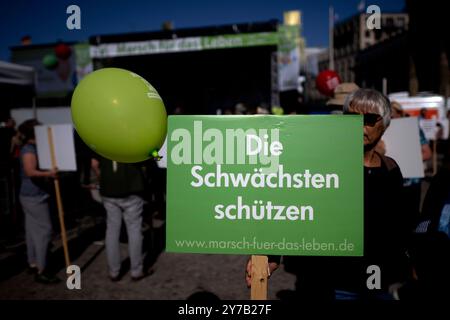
187 44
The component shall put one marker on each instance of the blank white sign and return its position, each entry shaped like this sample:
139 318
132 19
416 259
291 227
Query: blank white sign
63 144
402 140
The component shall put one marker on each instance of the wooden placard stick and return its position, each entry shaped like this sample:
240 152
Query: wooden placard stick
58 197
260 275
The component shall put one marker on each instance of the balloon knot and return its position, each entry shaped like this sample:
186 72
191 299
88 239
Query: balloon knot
156 155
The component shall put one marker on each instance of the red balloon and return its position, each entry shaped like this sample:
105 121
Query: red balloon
63 51
326 81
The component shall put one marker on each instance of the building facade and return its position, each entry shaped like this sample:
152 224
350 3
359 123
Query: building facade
352 36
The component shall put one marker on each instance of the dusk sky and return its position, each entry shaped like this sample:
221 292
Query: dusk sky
45 21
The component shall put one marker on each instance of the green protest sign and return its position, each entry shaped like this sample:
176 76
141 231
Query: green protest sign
288 185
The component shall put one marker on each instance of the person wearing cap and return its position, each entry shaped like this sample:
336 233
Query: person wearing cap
340 94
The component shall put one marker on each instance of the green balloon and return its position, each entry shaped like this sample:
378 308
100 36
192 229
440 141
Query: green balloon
119 115
50 61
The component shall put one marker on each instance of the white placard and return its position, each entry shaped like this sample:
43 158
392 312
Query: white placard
64 147
429 128
402 140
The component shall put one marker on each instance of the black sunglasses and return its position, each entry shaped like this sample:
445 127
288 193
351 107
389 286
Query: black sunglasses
370 119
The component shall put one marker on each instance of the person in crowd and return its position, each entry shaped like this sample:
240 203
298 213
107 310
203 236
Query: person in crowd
240 109
122 187
385 230
262 109
34 200
423 114
413 186
228 111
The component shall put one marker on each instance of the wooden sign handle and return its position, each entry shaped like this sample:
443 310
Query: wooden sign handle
260 275
58 198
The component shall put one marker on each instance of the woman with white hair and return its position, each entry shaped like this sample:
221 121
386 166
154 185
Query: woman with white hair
385 226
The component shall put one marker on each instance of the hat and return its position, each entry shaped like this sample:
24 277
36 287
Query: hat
341 92
397 106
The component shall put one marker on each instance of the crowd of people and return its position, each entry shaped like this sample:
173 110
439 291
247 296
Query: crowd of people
408 241
122 192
